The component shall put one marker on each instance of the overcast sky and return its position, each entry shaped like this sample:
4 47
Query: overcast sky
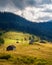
34 10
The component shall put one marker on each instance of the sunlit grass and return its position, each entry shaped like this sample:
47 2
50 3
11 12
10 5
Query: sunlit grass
25 54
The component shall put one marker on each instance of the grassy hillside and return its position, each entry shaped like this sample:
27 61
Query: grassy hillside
39 53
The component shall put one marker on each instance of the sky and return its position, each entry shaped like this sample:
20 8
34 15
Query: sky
33 10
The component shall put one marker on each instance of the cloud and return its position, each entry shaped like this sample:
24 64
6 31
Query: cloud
45 18
21 4
34 10
48 11
2 3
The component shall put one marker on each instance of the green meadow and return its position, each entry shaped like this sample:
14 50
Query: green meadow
37 53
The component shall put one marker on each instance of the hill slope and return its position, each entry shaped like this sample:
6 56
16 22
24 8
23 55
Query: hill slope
10 21
24 53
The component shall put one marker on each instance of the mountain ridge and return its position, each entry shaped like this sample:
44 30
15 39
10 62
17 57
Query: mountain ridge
10 21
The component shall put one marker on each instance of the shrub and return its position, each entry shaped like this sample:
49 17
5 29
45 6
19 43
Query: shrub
42 41
30 38
6 57
31 41
1 41
41 62
25 39
26 60
1 33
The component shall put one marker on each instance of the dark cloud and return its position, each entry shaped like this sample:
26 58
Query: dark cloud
3 3
21 4
39 6
44 18
31 2
46 1
35 3
24 3
48 11
41 2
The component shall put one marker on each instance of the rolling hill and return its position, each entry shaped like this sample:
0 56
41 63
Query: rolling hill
17 31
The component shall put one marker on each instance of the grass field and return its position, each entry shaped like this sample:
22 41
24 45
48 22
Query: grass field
25 54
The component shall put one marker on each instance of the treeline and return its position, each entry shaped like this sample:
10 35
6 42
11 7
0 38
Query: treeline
10 21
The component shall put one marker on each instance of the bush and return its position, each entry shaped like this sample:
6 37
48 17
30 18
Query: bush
30 38
26 60
6 57
31 41
1 41
42 41
41 62
1 33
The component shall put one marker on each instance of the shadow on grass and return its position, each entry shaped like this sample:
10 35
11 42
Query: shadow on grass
6 57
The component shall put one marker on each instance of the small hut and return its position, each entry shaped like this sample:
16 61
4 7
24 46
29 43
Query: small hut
10 47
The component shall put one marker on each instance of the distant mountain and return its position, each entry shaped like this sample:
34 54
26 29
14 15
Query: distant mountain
10 21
